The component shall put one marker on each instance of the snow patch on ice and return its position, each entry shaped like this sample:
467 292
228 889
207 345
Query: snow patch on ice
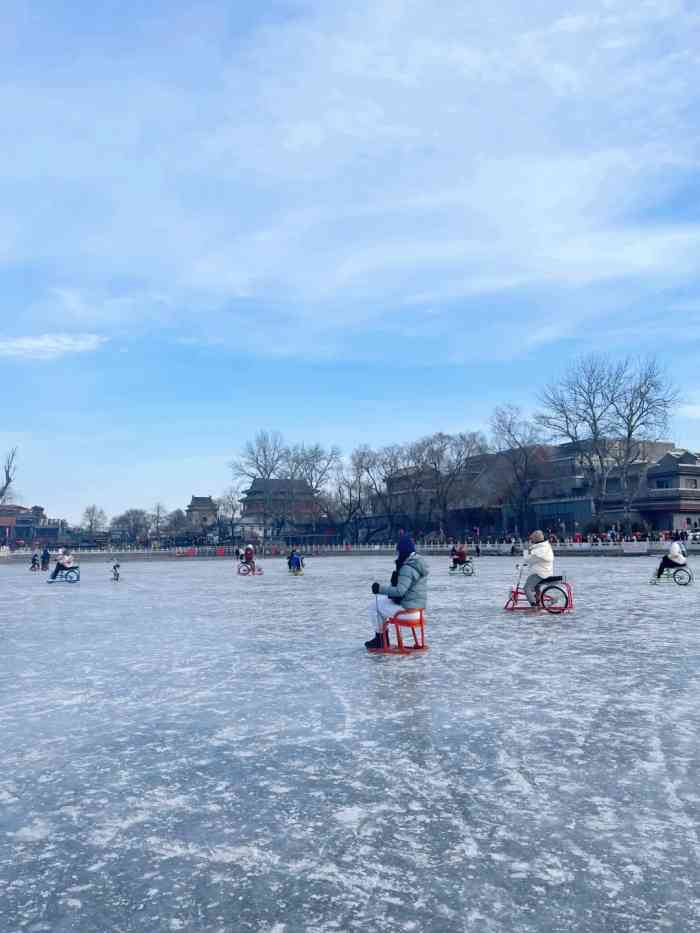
35 832
350 816
250 857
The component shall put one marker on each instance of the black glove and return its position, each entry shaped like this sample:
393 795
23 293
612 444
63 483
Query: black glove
395 578
375 588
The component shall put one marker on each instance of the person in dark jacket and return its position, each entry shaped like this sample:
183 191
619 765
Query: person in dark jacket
408 590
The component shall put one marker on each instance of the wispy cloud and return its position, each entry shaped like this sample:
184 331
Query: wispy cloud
353 160
49 346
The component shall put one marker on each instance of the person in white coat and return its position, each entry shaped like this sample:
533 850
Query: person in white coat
673 560
540 563
64 561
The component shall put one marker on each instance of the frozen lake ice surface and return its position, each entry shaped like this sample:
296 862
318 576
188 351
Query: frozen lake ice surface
192 750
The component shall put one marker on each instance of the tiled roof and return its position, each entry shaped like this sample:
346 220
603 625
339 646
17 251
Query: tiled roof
279 486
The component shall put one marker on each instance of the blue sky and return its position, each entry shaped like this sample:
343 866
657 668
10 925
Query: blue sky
352 222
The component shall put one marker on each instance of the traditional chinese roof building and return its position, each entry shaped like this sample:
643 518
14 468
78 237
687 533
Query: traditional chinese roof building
202 512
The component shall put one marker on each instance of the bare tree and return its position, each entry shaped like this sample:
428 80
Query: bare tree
229 503
522 456
176 521
314 464
642 410
579 409
447 458
94 519
9 471
262 458
412 486
378 468
134 522
606 410
348 501
157 519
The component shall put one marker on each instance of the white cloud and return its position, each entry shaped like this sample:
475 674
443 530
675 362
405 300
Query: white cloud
49 346
341 163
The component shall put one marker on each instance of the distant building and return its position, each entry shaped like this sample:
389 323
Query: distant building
671 497
19 524
563 503
202 512
661 493
274 507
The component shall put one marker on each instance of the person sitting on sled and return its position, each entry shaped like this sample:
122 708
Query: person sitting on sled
408 590
35 561
458 555
540 563
248 557
64 561
675 558
296 561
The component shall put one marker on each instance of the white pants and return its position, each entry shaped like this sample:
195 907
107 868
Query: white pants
531 588
383 608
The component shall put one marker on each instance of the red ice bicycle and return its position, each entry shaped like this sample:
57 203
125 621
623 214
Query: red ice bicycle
246 570
553 594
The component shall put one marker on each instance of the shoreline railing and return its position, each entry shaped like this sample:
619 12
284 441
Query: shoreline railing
502 549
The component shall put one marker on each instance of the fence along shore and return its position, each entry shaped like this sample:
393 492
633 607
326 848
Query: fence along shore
219 552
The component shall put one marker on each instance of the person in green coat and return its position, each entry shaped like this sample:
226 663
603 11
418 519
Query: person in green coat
408 590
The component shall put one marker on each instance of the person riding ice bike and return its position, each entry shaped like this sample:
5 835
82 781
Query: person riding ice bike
64 561
540 563
675 558
459 556
248 558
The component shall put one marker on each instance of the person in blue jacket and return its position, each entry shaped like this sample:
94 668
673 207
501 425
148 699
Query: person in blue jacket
296 561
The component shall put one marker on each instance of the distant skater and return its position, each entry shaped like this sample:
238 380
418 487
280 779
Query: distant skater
115 573
458 555
248 558
295 561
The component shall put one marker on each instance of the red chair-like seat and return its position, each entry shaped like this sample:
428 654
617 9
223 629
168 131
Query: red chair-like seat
412 619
